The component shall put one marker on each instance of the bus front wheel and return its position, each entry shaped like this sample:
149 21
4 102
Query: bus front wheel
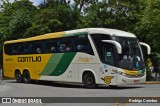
26 77
18 76
113 86
89 81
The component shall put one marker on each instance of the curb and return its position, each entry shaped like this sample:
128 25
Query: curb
152 82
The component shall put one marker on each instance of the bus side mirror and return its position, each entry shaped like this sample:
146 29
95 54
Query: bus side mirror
116 44
148 47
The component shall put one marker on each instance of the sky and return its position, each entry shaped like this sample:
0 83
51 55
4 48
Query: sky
35 2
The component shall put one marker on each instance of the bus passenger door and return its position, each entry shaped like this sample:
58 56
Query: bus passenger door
107 71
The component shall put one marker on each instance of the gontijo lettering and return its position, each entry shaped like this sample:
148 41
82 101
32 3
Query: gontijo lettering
29 59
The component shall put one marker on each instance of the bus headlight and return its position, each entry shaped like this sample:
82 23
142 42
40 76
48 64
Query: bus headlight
122 73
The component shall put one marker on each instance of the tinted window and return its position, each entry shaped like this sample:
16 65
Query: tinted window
37 47
15 49
82 44
51 46
26 48
97 39
65 45
108 55
8 49
60 45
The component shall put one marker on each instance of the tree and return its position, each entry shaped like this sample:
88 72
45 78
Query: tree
148 27
148 31
53 16
15 18
20 22
5 17
117 14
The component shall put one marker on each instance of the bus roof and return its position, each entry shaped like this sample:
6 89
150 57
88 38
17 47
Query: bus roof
112 32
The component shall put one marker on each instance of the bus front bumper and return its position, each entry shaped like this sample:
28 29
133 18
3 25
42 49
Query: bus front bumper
123 80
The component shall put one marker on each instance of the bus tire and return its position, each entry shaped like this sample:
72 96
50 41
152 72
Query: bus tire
26 76
18 76
89 81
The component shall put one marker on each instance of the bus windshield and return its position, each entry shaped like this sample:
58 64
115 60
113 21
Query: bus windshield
131 57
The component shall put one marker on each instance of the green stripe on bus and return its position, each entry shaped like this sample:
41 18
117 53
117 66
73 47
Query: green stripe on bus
58 64
63 64
52 63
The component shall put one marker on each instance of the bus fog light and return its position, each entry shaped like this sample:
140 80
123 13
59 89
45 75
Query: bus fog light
122 73
136 81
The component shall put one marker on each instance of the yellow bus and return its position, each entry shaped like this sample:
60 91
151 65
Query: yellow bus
91 56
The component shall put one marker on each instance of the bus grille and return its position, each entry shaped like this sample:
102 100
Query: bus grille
135 76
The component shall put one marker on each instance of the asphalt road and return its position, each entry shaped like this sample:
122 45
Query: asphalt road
52 89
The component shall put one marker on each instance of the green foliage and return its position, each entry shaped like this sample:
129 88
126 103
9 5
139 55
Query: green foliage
149 24
22 19
149 75
15 18
19 22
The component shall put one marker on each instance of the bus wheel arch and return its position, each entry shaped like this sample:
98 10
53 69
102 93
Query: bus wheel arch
88 79
18 76
26 76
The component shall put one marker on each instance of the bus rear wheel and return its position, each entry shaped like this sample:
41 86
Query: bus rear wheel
89 81
18 76
26 77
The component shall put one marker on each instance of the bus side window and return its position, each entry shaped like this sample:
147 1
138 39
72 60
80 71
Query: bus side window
109 55
65 44
20 49
26 48
8 49
39 50
14 49
53 49
62 47
97 39
37 47
83 45
50 46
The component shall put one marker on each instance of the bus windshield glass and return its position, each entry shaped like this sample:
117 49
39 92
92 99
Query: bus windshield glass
131 57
